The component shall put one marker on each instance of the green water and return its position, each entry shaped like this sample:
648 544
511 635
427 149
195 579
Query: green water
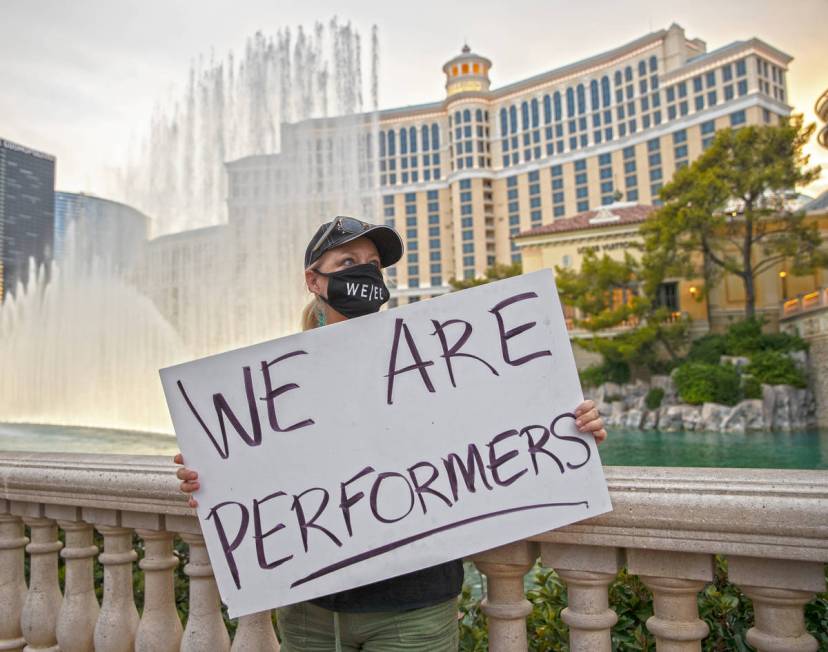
780 450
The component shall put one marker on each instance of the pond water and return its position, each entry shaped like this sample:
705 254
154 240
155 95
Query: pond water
782 450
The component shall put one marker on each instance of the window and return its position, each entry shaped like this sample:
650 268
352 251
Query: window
737 118
742 87
667 296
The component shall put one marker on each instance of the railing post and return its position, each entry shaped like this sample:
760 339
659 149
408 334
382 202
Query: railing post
505 603
42 605
160 628
255 634
779 590
588 572
12 579
79 612
675 578
118 619
205 627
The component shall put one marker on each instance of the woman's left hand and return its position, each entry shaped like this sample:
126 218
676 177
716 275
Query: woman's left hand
587 419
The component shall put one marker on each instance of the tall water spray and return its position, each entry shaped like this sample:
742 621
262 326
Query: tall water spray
224 265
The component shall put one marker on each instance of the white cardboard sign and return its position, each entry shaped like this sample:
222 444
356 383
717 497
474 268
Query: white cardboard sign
367 449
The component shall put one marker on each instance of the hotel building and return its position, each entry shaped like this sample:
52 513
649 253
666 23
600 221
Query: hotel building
460 176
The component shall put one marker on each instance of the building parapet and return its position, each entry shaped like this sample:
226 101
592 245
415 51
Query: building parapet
665 527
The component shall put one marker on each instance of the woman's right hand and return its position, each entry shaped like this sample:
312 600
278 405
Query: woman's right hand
189 480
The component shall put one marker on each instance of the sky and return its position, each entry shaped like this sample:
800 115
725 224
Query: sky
79 79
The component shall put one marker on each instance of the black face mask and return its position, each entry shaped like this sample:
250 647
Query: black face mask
356 291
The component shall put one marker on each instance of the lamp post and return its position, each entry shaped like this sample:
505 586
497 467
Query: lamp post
784 276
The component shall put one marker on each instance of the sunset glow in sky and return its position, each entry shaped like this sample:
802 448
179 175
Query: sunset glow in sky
79 79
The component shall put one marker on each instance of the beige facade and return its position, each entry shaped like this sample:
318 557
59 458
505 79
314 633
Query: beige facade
614 230
460 176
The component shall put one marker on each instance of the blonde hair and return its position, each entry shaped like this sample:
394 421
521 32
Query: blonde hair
311 314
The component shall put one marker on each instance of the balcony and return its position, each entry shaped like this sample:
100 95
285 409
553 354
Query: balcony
806 302
667 524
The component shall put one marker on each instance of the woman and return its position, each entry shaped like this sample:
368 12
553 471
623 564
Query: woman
417 611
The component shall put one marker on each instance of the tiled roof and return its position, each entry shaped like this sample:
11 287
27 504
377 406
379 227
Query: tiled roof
613 215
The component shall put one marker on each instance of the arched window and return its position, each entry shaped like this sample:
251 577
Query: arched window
628 74
581 99
605 91
653 64
403 141
479 115
547 109
593 93
513 118
412 137
642 68
424 137
618 78
466 116
570 102
534 112
435 136
382 143
392 143
524 114
504 122
558 111
457 118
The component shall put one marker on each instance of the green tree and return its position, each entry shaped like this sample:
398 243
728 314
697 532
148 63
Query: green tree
496 272
726 212
594 291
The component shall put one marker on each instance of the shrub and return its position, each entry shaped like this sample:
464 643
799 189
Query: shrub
751 388
775 368
699 383
654 398
708 348
607 372
746 338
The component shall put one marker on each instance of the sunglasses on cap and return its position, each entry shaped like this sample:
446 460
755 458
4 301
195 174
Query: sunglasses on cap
344 225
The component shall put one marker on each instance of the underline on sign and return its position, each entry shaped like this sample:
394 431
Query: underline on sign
388 547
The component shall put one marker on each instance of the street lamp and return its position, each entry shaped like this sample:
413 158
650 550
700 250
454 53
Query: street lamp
784 276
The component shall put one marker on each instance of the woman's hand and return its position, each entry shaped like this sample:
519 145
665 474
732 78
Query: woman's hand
189 480
587 419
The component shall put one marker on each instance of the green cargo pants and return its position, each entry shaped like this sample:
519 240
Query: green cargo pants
304 627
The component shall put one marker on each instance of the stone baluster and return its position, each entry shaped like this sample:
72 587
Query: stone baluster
505 604
675 578
779 591
160 628
255 634
118 619
588 572
12 579
79 611
42 605
205 628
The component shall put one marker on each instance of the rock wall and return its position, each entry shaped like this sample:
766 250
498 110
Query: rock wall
782 407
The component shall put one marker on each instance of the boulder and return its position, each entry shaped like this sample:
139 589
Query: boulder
712 416
691 418
632 418
671 418
615 417
745 415
650 421
786 407
666 383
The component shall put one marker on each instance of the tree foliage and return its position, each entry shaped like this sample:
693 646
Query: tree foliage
726 212
594 290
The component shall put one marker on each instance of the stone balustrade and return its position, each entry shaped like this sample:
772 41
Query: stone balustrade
666 526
